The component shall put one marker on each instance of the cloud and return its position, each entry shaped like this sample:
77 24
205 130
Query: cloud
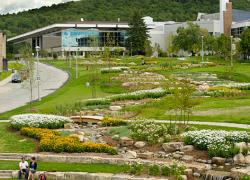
13 6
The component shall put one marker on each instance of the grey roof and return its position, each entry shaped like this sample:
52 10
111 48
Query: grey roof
240 15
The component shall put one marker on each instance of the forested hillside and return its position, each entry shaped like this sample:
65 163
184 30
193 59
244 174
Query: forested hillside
177 10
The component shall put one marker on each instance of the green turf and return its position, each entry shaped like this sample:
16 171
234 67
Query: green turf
69 167
12 142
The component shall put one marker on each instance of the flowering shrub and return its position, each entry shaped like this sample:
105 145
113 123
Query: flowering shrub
223 92
224 150
113 69
51 141
241 86
39 121
142 94
149 131
218 143
107 121
203 138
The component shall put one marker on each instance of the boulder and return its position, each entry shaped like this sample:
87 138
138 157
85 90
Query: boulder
130 155
126 141
218 161
177 156
140 144
241 146
115 108
172 146
247 159
187 148
146 155
239 159
188 173
69 126
116 137
187 158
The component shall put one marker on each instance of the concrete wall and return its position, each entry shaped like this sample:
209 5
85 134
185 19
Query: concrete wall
51 42
2 49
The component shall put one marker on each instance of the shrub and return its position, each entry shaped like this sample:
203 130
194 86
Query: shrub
107 121
154 170
224 150
218 143
150 132
245 177
51 141
176 169
166 171
223 92
96 102
136 169
38 121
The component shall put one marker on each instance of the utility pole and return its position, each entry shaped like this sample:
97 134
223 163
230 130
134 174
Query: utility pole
37 73
202 53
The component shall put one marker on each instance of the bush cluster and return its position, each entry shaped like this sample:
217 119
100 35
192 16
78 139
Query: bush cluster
176 170
38 121
51 141
108 121
152 132
223 92
218 143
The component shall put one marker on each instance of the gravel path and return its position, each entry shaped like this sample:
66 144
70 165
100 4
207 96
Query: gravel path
16 95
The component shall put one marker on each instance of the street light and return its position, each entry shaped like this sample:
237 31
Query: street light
202 53
131 49
77 64
37 73
231 51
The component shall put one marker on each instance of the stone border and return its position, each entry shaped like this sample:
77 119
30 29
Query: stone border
81 176
80 158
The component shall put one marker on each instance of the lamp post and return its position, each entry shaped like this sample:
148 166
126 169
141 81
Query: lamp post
77 64
37 73
202 44
131 51
231 51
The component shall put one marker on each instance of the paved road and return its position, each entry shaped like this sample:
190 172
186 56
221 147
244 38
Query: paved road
15 95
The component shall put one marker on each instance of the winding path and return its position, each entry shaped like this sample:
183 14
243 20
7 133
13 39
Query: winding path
16 95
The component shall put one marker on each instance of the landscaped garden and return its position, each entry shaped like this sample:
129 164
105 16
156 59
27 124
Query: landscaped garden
124 101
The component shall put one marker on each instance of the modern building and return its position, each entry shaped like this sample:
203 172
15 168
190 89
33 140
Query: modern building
87 36
2 50
74 37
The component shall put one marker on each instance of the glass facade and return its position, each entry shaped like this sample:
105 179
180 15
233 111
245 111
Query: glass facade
93 38
237 31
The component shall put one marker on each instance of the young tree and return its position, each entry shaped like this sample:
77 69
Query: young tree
223 46
245 43
189 38
137 34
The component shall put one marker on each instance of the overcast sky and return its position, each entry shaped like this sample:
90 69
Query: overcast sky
12 6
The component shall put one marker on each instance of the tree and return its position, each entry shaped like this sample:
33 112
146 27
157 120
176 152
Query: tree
137 34
223 46
189 38
245 43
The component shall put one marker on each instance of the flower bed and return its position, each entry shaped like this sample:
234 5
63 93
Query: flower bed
218 143
150 132
241 86
39 121
51 141
114 69
219 91
108 121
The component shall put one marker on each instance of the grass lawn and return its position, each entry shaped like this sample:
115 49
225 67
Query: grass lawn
74 90
4 75
69 167
11 142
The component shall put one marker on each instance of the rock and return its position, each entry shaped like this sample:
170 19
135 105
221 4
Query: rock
140 144
218 161
172 146
187 148
184 177
83 138
146 155
69 126
187 158
196 174
177 156
188 173
239 159
208 166
115 108
126 141
247 159
130 155
241 146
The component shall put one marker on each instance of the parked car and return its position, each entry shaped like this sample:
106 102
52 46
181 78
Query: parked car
16 78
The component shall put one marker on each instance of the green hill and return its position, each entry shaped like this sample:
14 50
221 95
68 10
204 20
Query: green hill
177 10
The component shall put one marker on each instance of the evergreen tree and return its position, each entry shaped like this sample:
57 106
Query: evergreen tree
245 43
137 34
